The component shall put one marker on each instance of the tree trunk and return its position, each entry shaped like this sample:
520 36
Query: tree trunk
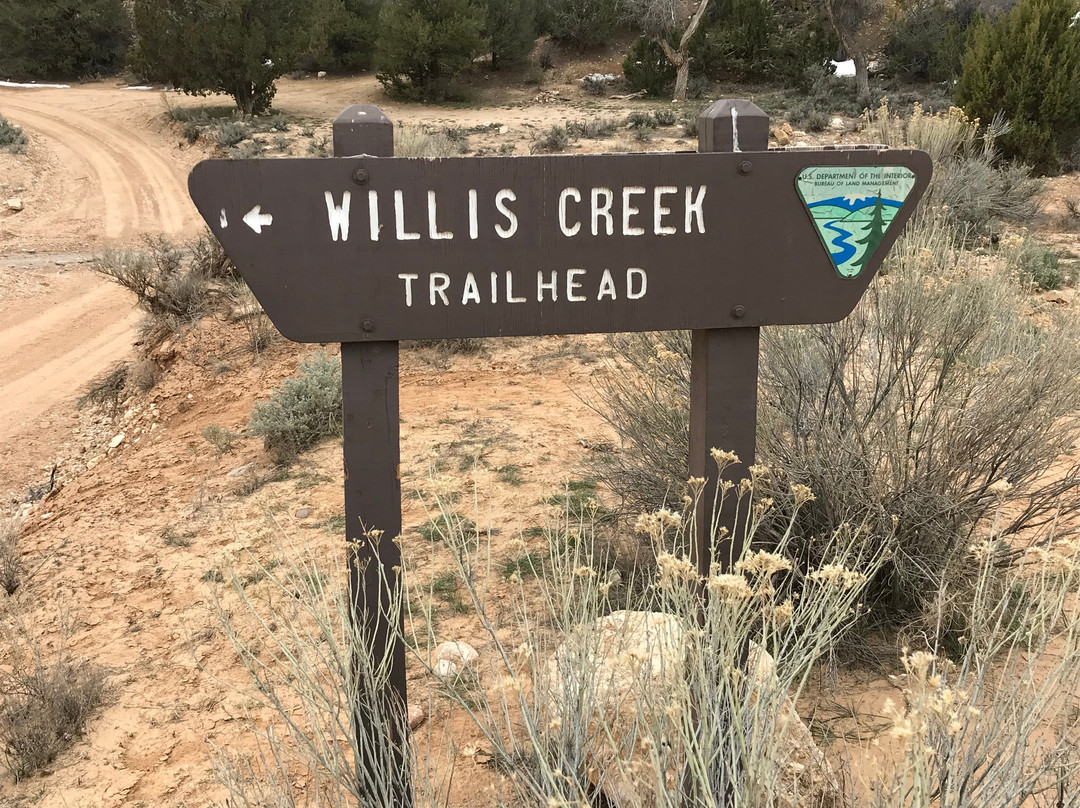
862 79
682 77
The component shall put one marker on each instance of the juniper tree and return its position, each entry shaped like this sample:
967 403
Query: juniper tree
236 47
1026 65
424 44
62 39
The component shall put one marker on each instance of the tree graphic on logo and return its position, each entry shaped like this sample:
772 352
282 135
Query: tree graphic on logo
873 236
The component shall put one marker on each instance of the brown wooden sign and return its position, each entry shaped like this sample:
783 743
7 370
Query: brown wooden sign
380 248
369 250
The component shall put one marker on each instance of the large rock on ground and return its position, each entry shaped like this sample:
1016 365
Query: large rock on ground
638 662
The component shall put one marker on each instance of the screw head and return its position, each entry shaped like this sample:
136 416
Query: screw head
360 176
368 325
738 312
745 167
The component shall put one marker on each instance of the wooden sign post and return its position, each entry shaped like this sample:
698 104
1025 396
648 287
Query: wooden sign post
367 249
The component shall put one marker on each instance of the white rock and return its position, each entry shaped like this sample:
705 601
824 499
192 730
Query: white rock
837 124
844 69
117 440
451 658
14 204
321 74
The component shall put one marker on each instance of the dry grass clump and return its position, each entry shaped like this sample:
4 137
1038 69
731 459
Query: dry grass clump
10 563
307 660
685 712
44 705
998 723
937 388
414 141
971 186
174 284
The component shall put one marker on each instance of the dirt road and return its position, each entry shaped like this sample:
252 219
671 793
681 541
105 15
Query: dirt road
105 170
101 171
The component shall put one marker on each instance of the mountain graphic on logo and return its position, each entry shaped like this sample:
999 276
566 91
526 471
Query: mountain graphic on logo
852 209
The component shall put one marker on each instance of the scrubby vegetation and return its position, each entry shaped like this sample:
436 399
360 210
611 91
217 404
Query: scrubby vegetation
45 702
63 39
175 284
908 414
303 411
582 693
12 138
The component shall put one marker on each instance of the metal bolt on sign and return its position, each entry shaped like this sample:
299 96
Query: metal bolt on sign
367 249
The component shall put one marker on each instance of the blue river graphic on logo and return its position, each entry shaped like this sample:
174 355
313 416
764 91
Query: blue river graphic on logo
852 209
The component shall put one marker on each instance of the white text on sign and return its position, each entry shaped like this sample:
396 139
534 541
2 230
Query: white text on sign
632 210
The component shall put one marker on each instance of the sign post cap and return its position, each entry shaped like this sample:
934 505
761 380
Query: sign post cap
733 124
363 129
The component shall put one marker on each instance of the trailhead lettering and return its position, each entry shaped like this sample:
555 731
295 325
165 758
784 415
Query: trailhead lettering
662 210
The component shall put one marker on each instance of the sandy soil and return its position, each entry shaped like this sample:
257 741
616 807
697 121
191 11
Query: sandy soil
125 550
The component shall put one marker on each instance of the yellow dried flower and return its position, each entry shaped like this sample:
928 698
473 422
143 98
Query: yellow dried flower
730 588
761 562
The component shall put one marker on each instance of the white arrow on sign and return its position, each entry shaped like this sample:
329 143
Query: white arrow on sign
257 220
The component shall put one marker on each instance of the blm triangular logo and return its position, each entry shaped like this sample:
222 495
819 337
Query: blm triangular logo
852 208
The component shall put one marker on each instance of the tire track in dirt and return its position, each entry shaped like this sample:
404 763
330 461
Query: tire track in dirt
118 184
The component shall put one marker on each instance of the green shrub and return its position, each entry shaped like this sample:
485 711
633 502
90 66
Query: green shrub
593 128
557 139
424 44
511 27
230 133
303 411
775 40
937 387
342 35
1026 66
1033 263
647 68
63 39
585 23
926 42
12 138
236 48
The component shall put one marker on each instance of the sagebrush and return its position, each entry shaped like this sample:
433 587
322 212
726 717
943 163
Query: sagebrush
936 388
302 411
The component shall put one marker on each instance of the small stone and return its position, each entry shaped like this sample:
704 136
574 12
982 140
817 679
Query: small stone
781 137
117 440
93 461
417 716
321 74
303 513
837 124
244 469
14 204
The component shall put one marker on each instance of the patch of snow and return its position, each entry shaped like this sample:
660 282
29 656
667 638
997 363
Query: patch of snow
844 69
141 87
599 78
31 85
